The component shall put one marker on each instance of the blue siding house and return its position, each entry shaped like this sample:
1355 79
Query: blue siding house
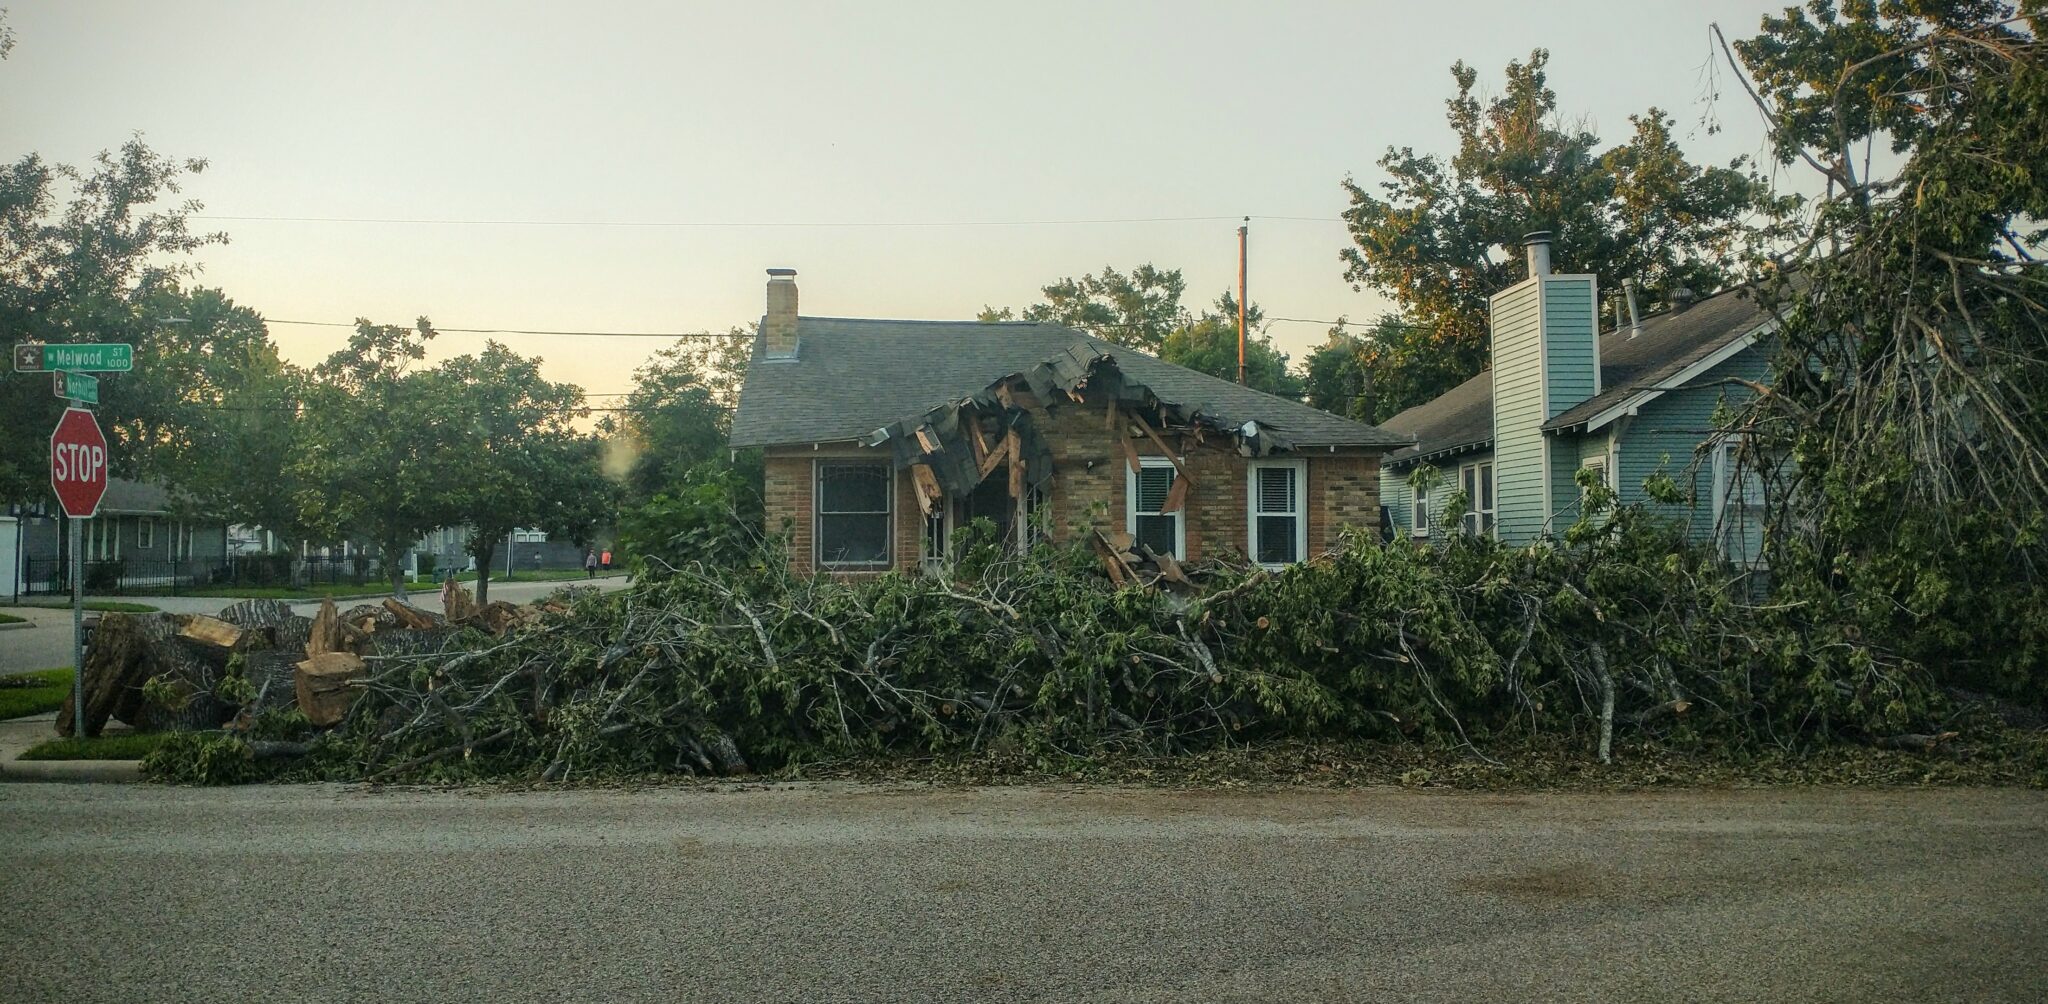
1562 396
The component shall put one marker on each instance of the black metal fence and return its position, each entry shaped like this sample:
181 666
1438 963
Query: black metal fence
171 576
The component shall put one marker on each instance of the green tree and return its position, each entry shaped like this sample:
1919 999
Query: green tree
1911 394
1334 376
380 445
81 253
1138 309
679 413
220 409
518 459
1208 344
1443 234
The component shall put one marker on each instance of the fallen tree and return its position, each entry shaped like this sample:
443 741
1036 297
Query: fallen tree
1620 632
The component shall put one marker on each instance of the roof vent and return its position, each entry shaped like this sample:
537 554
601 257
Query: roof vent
1680 298
1536 245
1635 320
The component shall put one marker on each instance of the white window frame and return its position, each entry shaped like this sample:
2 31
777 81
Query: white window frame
1598 463
145 533
102 538
1726 464
933 553
1131 514
1252 513
1480 520
1418 511
818 516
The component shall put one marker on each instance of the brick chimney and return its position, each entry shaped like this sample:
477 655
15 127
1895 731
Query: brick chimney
778 328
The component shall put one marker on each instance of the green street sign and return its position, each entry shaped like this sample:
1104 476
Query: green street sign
115 357
75 387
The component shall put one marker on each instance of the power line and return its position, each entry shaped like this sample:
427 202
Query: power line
523 331
740 225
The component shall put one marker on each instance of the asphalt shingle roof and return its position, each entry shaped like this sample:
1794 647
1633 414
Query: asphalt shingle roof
853 376
1462 417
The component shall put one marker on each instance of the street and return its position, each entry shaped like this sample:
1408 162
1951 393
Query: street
808 893
48 644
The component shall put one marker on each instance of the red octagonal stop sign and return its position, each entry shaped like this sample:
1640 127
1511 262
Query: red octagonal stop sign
78 463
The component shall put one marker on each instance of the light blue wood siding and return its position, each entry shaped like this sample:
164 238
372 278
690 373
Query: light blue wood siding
1570 328
1669 434
1518 411
1397 493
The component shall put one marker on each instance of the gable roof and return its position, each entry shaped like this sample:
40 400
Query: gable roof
854 376
1667 345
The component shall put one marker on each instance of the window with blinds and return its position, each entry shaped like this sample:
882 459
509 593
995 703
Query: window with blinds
1278 526
852 511
1145 496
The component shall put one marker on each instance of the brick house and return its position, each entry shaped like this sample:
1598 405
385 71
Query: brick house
880 437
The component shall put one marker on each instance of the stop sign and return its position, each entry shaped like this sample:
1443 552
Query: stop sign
78 463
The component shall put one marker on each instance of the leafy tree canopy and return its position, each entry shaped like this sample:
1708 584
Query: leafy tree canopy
82 252
1443 234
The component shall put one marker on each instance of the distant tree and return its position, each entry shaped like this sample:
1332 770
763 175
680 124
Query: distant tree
1138 309
220 410
1208 344
517 459
380 446
1334 376
1442 234
679 413
80 253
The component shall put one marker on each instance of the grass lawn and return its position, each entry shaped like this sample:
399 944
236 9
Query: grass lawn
128 746
37 693
11 619
103 606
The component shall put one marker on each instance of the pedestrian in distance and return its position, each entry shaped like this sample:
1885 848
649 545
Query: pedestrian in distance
590 564
604 560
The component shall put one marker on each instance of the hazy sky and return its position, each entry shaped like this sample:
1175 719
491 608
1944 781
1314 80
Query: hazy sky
778 132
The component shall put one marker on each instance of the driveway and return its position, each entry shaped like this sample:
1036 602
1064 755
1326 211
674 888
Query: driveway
1021 894
49 642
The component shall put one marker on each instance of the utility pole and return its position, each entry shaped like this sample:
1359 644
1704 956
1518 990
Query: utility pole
1240 297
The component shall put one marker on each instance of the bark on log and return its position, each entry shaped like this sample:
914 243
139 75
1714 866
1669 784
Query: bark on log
325 634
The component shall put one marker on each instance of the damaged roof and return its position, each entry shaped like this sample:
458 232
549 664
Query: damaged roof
855 376
1462 418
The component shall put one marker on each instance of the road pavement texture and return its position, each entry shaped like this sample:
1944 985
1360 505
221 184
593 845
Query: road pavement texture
797 893
49 642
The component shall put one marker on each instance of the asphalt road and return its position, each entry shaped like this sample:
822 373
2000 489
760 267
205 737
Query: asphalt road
48 644
1039 894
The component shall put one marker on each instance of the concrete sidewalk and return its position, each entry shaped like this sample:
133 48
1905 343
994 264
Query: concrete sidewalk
18 735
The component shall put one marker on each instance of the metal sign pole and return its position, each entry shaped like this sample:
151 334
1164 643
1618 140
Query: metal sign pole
77 634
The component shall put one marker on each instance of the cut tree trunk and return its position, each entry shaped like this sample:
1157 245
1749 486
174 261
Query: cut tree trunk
323 686
211 631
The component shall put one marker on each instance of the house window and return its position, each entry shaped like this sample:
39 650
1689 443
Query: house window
145 532
1598 465
853 513
181 540
1279 531
938 533
1145 494
102 538
1738 504
1477 480
1418 511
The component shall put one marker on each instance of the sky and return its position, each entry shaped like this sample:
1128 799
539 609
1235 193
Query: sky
637 167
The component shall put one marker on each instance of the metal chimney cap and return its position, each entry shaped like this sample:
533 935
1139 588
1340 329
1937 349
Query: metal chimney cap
782 271
1536 237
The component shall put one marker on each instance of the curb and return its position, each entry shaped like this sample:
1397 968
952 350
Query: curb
23 626
72 771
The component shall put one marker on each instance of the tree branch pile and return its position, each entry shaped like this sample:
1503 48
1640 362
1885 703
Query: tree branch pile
708 672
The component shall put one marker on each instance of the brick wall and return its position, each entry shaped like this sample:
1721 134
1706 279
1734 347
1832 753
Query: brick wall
1089 466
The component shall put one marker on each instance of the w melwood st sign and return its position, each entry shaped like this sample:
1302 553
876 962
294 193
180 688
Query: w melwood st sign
78 463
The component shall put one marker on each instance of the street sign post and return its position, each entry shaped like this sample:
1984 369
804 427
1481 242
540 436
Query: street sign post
75 387
78 474
106 357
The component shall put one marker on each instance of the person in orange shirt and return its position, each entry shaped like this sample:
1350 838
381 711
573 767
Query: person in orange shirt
604 560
